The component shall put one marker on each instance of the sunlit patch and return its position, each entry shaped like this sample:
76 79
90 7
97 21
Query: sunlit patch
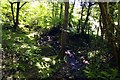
46 59
21 26
38 65
25 46
93 53
31 35
0 46
54 62
34 3
116 23
42 65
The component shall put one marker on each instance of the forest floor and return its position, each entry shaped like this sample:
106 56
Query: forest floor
32 47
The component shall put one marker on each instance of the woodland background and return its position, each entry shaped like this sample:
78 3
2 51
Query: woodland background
36 35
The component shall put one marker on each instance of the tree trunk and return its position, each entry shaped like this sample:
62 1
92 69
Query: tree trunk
16 21
17 16
61 14
64 33
118 34
108 23
87 17
61 10
12 12
78 27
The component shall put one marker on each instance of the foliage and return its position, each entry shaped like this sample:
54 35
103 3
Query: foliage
96 73
32 51
23 47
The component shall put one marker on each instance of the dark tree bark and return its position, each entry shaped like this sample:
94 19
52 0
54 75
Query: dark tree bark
17 16
12 12
108 23
87 18
118 34
61 14
61 10
78 27
64 33
16 21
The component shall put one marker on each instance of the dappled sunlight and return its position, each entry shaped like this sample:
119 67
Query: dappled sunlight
46 59
25 46
93 53
44 40
34 3
31 35
42 65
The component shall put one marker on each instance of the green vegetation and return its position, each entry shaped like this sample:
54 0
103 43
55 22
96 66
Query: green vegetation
37 40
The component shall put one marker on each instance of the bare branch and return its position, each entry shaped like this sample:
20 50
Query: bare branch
22 5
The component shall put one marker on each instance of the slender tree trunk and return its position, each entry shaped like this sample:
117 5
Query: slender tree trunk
12 13
78 28
16 21
17 16
61 14
64 33
87 17
61 10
